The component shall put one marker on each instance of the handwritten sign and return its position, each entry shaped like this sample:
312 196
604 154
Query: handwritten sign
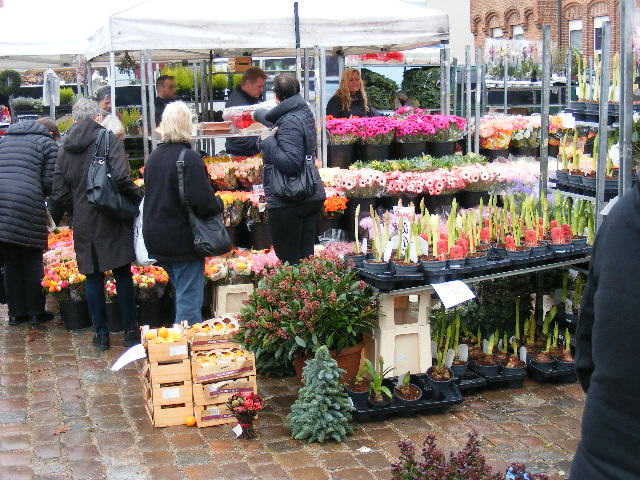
453 293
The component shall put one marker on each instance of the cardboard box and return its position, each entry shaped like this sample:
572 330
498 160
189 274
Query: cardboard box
222 364
168 415
165 351
169 393
167 372
239 64
211 415
220 392
214 333
229 298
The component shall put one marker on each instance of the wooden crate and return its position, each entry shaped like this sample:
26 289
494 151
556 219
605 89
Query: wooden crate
211 415
168 393
168 415
167 372
220 392
217 371
229 298
222 331
164 352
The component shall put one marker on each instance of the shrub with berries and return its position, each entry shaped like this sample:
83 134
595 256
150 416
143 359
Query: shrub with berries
297 309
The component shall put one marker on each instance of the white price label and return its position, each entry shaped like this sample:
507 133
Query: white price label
170 393
350 401
453 293
237 430
387 251
364 245
177 350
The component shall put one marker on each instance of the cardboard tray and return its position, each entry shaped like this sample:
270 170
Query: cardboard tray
214 372
211 415
168 372
220 392
164 352
510 380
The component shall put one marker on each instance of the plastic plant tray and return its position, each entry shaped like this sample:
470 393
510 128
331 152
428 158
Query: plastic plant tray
471 381
387 281
555 375
512 380
429 401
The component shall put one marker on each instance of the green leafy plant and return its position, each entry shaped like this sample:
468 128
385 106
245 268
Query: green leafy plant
423 84
219 81
567 340
577 292
25 104
130 119
380 90
551 314
236 80
67 96
377 375
183 77
64 124
127 64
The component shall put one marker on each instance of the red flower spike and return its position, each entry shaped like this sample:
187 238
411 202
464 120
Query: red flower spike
510 242
553 224
530 239
485 235
566 231
557 236
456 252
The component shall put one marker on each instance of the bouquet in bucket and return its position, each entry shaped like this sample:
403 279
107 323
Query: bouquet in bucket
234 206
376 130
263 262
249 171
215 269
257 208
110 291
342 131
334 206
245 407
239 269
526 132
447 128
64 281
222 174
495 132
150 281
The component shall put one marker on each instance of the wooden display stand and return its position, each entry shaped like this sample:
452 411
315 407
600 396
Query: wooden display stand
403 336
229 298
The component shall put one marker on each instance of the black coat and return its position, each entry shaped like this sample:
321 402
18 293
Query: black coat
334 107
607 350
159 105
286 150
27 160
241 146
101 242
166 229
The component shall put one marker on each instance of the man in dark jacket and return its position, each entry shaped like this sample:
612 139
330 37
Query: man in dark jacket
292 223
101 242
27 160
166 89
607 356
248 93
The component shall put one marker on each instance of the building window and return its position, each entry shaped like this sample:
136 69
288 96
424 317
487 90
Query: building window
496 32
597 32
517 33
575 34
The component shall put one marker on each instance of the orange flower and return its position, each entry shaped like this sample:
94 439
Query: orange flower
335 205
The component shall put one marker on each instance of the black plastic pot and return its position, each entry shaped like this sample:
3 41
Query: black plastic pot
519 254
539 250
589 182
375 267
498 251
562 178
260 236
579 242
513 371
341 155
405 269
402 401
358 260
472 199
438 386
493 154
544 366
485 370
456 263
525 151
409 150
477 261
560 248
331 223
565 366
380 405
438 203
441 149
459 370
433 266
113 317
358 397
577 106
368 153
75 315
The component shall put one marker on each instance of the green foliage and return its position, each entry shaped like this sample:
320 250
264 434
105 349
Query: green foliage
67 96
219 81
377 376
297 309
64 123
423 84
183 77
130 118
24 104
237 80
380 90
322 411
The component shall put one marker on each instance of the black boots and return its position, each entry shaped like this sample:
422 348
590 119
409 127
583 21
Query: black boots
102 341
131 338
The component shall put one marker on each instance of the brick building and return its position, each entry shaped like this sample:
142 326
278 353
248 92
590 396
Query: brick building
579 21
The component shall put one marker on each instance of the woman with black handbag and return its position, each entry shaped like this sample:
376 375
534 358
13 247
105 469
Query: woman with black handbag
166 225
292 185
102 242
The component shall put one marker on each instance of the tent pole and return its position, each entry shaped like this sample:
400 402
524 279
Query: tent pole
479 75
455 86
603 130
112 66
296 23
447 79
544 108
306 75
316 98
442 86
467 60
506 84
203 91
194 69
145 107
627 72
89 82
323 103
152 105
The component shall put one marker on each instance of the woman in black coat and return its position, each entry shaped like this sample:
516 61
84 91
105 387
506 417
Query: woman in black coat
607 357
350 99
292 224
27 159
101 243
166 228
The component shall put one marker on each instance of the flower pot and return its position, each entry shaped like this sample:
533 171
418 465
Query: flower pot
525 151
560 248
433 266
75 315
356 395
329 223
113 317
485 370
375 267
498 251
579 242
478 260
260 236
522 254
554 151
513 371
456 263
562 177
577 106
340 156
544 366
565 366
380 405
401 269
494 154
409 149
611 184
441 149
404 401
539 250
574 180
358 260
589 182
459 370
438 203
368 153
348 360
439 386
470 199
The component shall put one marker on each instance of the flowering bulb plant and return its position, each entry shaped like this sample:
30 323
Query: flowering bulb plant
342 131
245 406
334 206
150 281
448 128
376 130
296 309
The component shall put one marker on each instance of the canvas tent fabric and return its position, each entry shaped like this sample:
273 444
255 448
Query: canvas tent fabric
193 28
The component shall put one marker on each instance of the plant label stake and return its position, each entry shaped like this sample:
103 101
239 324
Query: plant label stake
424 246
450 356
389 249
434 349
485 346
463 352
364 245
523 354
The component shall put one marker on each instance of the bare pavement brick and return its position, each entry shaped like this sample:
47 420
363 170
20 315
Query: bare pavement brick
64 415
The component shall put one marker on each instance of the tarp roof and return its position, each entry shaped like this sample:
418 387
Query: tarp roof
189 29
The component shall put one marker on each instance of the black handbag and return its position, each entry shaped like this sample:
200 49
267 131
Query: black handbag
210 238
291 188
102 189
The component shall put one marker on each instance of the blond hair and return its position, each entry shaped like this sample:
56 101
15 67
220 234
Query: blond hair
176 123
343 92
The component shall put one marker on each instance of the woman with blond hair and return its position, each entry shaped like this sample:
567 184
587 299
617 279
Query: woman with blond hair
350 99
166 228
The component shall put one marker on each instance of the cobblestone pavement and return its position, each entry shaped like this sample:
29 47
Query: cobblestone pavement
65 415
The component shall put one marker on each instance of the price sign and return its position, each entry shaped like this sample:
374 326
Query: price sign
453 293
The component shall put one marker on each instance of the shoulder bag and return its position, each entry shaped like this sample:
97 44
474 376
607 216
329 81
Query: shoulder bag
102 189
299 186
210 238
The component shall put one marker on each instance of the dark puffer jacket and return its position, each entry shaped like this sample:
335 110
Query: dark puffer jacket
286 150
27 160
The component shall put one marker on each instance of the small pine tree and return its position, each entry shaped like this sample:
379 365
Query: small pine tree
322 410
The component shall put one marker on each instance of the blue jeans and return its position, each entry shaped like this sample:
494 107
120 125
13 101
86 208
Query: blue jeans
188 280
126 300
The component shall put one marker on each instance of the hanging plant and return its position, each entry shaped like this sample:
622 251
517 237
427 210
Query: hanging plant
10 82
127 64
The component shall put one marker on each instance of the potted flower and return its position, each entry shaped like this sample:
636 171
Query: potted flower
379 394
475 257
410 136
565 361
457 254
405 392
150 284
514 365
358 386
380 234
543 360
433 262
487 365
459 365
114 324
362 187
502 355
376 134
525 137
582 91
297 309
406 262
449 129
343 135
439 377
357 256
513 242
332 212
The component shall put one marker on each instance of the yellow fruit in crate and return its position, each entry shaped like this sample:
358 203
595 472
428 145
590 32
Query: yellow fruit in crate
150 335
206 328
189 420
218 326
163 332
161 340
